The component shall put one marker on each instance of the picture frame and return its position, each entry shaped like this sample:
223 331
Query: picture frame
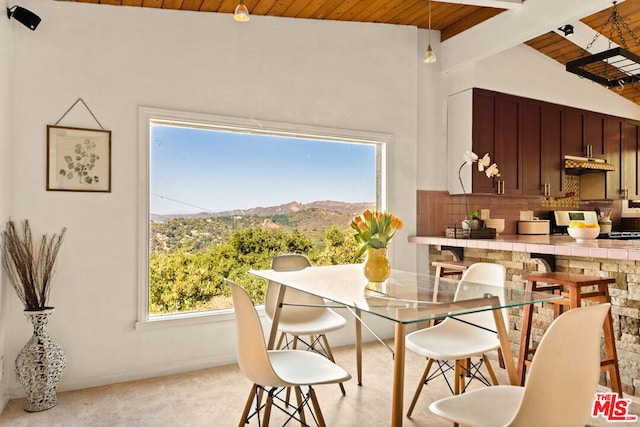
78 159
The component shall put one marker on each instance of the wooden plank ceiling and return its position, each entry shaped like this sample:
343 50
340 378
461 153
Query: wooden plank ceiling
449 18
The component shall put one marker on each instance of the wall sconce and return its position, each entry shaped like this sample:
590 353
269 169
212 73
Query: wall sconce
566 29
24 16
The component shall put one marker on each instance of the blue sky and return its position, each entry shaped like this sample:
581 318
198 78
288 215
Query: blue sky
195 170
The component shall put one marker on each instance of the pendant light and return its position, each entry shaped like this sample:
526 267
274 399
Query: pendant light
241 13
429 55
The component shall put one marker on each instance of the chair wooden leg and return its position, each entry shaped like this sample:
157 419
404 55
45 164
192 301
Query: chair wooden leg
492 374
282 336
247 406
303 420
330 355
425 374
267 410
316 408
457 377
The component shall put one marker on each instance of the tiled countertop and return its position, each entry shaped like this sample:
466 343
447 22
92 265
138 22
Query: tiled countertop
543 244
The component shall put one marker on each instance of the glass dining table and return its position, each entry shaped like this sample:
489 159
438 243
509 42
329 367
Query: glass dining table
405 298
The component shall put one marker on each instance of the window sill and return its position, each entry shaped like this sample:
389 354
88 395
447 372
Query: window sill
187 319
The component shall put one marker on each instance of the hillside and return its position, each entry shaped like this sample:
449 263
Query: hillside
169 233
292 207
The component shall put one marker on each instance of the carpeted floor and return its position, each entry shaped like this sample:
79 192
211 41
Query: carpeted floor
216 396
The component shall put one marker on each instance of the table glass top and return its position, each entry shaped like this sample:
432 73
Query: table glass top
404 297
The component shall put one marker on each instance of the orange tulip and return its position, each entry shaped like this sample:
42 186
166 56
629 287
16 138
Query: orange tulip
367 214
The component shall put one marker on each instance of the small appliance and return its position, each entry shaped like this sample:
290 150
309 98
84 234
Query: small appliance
561 219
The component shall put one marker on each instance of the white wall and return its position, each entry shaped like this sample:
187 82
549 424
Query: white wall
351 76
7 54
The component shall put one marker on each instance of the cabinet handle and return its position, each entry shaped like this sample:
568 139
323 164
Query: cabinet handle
589 150
500 186
547 189
625 193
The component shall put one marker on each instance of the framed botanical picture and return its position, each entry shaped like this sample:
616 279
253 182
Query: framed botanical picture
78 159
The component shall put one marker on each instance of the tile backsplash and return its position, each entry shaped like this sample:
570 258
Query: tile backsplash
438 210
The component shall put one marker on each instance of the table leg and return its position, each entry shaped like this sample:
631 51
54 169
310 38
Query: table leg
525 336
276 315
359 344
505 345
398 377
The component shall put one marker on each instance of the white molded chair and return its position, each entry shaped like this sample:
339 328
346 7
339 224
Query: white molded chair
302 314
275 370
462 337
560 387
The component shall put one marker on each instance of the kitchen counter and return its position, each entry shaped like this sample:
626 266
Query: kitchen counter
543 244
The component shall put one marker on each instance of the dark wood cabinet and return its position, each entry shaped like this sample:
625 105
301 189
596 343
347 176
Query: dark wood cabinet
573 132
524 138
541 149
528 140
629 160
483 135
611 152
593 140
551 153
531 131
496 131
507 147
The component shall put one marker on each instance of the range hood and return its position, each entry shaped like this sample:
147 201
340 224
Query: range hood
575 165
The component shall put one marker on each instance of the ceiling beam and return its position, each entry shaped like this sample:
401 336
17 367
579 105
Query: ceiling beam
498 4
513 27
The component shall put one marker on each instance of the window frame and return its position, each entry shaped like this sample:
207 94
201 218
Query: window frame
149 115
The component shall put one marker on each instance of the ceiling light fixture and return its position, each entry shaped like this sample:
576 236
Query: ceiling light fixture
566 29
614 67
429 54
241 13
24 16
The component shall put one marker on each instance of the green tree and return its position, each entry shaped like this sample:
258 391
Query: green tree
186 281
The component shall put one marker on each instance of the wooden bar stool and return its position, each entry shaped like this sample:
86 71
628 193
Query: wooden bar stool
447 268
559 283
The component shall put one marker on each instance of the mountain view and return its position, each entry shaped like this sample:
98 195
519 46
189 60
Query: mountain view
191 255
196 231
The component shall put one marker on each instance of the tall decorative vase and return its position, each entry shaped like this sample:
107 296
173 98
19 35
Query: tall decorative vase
40 364
377 267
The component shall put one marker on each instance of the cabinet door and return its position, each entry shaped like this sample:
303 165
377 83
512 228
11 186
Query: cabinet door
551 158
594 134
483 138
507 148
612 153
573 132
531 131
629 160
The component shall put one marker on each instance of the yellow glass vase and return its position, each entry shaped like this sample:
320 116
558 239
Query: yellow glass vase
377 267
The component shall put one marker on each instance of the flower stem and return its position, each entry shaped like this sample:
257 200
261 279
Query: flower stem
466 196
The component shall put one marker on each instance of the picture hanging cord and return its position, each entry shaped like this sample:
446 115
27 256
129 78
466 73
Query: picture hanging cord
86 106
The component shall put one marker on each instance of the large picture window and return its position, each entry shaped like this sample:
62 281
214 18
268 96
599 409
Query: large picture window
223 195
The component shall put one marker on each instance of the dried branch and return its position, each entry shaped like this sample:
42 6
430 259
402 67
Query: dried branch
30 275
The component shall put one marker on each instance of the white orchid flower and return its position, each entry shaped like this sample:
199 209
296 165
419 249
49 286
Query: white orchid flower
470 157
492 170
484 162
